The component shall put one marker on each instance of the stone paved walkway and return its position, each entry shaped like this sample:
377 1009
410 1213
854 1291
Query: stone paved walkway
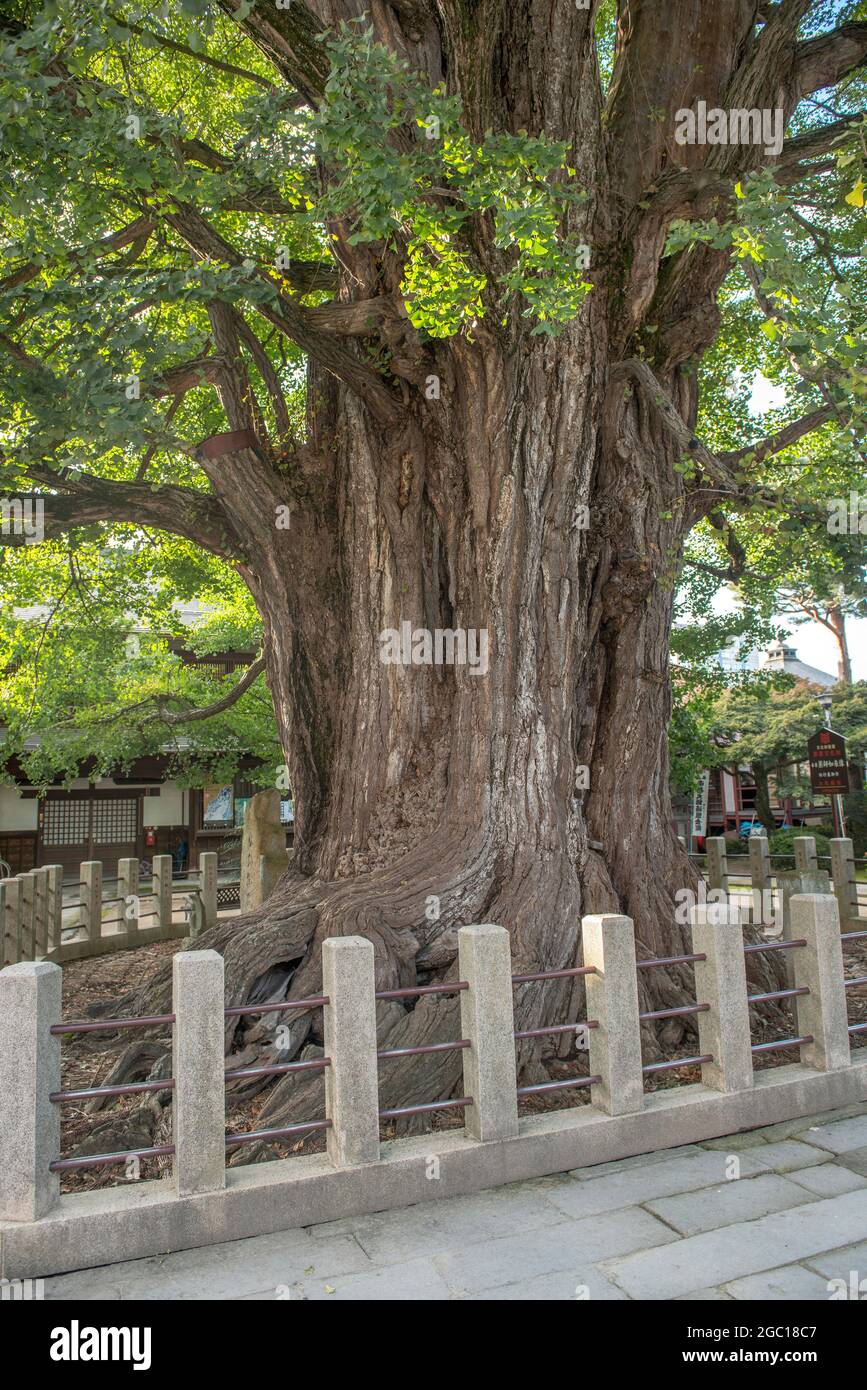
677 1224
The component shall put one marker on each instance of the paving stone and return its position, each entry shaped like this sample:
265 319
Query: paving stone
840 1136
842 1263
573 1246
608 1228
412 1280
747 1247
790 1155
699 1168
132 1279
274 1260
790 1129
791 1282
558 1287
854 1159
731 1143
261 1296
828 1179
542 1184
91 1284
344 1226
218 1271
621 1165
706 1296
742 1200
430 1227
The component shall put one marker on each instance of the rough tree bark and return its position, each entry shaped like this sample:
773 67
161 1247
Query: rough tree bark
837 624
760 773
427 797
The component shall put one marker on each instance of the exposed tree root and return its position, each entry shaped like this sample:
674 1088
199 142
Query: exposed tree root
275 953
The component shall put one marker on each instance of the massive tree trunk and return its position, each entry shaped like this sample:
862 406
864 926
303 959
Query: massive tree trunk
524 488
428 796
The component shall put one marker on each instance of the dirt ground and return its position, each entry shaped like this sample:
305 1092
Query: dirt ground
88 1058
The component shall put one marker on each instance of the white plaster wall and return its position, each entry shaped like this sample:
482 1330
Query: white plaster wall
165 809
16 812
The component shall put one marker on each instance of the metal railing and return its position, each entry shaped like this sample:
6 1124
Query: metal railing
82 1026
394 1053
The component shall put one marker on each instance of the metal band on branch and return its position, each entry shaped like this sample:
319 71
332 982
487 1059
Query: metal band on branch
216 446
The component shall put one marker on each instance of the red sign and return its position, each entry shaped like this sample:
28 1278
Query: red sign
829 771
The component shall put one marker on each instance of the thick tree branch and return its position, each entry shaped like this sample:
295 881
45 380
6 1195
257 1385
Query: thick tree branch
723 575
676 426
134 233
233 383
764 77
774 443
815 379
310 277
828 58
195 714
192 149
702 501
291 318
798 153
199 371
88 499
151 450
198 55
737 567
700 193
225 702
289 38
264 200
267 373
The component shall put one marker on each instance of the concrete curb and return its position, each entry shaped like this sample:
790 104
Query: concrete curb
132 1222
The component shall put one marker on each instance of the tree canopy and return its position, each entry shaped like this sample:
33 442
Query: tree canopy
178 183
424 311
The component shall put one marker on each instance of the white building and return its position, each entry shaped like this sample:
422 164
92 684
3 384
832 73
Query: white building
781 657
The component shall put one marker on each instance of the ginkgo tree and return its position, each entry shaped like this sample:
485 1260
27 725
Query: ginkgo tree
469 228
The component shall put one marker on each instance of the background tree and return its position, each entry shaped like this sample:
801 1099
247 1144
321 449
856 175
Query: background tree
765 724
90 675
699 677
207 202
811 567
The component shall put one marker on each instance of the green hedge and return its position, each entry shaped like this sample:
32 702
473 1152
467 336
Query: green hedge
782 842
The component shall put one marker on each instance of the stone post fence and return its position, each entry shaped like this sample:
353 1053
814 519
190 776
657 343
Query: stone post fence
207 1200
40 919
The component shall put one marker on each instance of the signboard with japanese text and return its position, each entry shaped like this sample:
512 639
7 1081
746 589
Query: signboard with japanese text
829 771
